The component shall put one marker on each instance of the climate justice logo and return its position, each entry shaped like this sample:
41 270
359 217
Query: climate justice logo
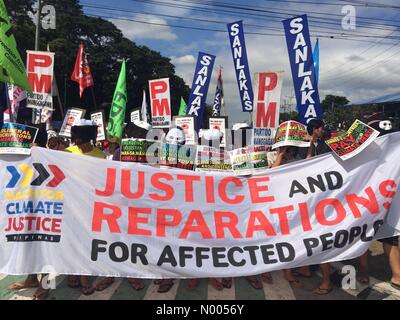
34 206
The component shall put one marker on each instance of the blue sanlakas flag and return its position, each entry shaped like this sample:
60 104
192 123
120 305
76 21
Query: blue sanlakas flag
241 65
316 59
219 96
303 69
200 85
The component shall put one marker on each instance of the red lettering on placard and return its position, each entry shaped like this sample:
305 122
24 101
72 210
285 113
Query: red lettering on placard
163 220
100 214
135 219
231 224
338 208
255 190
201 226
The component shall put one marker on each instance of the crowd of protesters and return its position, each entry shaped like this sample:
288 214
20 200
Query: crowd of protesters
83 142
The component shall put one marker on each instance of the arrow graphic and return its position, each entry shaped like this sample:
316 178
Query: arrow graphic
28 174
43 174
58 176
15 176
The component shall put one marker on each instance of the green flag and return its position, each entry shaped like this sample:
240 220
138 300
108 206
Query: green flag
12 69
182 109
115 126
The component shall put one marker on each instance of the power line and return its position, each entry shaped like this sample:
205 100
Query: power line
357 66
326 16
334 4
271 18
329 71
209 29
370 67
358 35
371 4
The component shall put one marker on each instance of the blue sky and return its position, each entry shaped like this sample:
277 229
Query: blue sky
365 65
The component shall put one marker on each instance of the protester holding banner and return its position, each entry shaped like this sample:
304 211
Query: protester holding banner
83 137
32 280
288 154
379 122
315 129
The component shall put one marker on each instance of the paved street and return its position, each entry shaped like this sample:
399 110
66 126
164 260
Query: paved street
379 288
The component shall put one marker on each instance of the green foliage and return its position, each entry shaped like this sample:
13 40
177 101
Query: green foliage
336 115
105 46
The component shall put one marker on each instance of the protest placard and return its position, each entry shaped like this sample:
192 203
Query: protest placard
219 124
40 67
98 118
250 159
291 133
160 98
176 156
212 159
71 117
187 123
353 141
16 138
139 150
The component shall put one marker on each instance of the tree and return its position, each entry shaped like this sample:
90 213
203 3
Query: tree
105 46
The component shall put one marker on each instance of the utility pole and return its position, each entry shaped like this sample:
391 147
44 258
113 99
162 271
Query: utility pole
37 113
37 37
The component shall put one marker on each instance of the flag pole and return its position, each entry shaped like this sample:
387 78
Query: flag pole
94 98
37 39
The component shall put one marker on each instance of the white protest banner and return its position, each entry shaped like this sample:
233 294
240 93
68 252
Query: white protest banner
220 124
353 141
40 67
291 133
71 117
188 126
267 105
99 119
160 98
88 216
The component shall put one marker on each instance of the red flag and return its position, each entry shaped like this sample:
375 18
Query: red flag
81 73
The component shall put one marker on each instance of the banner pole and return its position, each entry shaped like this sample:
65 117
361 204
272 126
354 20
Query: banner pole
94 98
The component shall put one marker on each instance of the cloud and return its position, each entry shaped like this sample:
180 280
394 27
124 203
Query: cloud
147 30
184 60
355 58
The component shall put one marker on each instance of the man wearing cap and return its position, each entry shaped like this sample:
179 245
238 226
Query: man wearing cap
83 137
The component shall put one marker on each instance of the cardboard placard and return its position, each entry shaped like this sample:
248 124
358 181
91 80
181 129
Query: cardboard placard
353 141
291 133
71 117
248 160
17 138
176 156
98 118
160 98
212 159
139 150
187 123
220 124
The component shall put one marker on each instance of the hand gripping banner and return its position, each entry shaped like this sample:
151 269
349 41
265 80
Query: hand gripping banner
88 216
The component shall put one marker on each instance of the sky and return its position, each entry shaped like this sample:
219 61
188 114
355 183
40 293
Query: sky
359 63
